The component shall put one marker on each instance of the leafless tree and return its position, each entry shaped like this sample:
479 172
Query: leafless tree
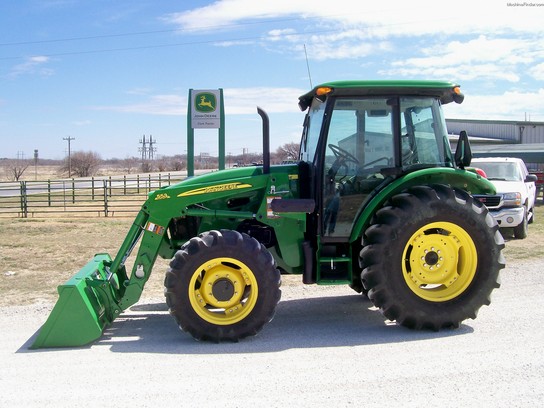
288 151
129 164
83 164
146 166
15 169
176 163
162 163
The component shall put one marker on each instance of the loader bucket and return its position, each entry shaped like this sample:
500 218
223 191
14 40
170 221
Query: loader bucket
83 309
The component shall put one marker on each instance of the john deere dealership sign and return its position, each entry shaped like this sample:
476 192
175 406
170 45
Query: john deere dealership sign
206 109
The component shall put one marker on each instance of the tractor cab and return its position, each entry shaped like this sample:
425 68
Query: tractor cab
358 138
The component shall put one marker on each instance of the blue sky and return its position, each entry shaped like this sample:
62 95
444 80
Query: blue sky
108 72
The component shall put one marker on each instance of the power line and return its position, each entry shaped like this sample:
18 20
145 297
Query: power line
91 37
187 43
166 31
156 46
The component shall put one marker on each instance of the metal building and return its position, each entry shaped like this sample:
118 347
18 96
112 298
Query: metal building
488 138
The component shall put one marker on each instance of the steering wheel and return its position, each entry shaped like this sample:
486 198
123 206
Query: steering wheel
343 155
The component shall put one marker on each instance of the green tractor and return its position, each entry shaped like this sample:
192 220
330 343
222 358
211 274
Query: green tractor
376 201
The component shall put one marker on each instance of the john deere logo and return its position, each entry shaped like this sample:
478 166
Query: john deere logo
205 102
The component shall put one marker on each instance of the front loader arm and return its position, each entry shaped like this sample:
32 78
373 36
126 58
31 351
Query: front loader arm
152 222
102 289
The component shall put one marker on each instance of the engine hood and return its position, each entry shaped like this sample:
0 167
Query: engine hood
224 175
508 186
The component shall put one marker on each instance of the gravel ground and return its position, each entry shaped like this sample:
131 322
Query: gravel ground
326 347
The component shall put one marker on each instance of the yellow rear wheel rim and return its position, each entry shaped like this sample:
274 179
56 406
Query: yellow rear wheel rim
440 261
223 291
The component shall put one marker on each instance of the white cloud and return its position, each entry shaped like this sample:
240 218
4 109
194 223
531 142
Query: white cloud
233 43
510 105
238 101
279 35
154 105
32 66
457 72
344 29
417 17
537 72
82 123
479 58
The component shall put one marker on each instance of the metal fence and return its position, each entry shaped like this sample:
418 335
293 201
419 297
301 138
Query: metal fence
111 196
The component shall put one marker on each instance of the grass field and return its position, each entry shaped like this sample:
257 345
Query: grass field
36 255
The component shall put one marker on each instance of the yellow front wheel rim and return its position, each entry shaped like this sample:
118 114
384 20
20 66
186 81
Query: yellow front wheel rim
440 261
223 291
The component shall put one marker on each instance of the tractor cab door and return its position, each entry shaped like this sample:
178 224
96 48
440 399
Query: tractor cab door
347 143
358 145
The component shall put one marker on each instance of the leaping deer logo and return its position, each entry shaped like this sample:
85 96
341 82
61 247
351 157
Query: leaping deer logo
204 103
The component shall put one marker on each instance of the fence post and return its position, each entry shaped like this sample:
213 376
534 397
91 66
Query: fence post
64 194
105 197
125 184
138 183
110 185
73 191
49 193
24 202
92 188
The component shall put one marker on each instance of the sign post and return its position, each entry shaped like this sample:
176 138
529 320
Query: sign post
205 110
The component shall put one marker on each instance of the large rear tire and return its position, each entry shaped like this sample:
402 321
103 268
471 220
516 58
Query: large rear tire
431 258
222 285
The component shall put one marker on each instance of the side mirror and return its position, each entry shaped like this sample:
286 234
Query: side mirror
463 152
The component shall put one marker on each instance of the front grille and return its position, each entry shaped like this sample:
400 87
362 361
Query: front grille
489 201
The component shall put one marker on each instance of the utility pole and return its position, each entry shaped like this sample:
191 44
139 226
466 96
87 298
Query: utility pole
151 149
143 149
35 164
69 139
147 152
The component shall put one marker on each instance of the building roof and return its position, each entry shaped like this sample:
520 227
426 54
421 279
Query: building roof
528 152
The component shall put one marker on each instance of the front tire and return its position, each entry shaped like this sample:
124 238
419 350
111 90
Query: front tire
522 230
431 258
222 285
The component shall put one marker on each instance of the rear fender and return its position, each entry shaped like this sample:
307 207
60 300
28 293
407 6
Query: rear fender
462 179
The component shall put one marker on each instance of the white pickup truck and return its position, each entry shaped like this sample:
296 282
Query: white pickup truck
514 203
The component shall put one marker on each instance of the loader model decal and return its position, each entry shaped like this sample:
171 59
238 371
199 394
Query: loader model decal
215 189
162 196
205 102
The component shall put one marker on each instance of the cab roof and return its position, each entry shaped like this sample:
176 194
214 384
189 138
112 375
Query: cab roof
446 91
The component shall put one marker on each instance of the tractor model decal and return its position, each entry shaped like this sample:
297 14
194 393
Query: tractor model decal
215 189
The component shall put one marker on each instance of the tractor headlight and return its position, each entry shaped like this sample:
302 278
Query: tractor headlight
512 199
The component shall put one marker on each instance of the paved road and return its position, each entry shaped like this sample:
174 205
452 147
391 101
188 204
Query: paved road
325 348
144 180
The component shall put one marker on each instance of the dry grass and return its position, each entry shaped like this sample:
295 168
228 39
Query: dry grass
39 254
530 247
52 172
36 255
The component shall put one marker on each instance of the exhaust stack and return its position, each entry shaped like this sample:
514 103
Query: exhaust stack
266 140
